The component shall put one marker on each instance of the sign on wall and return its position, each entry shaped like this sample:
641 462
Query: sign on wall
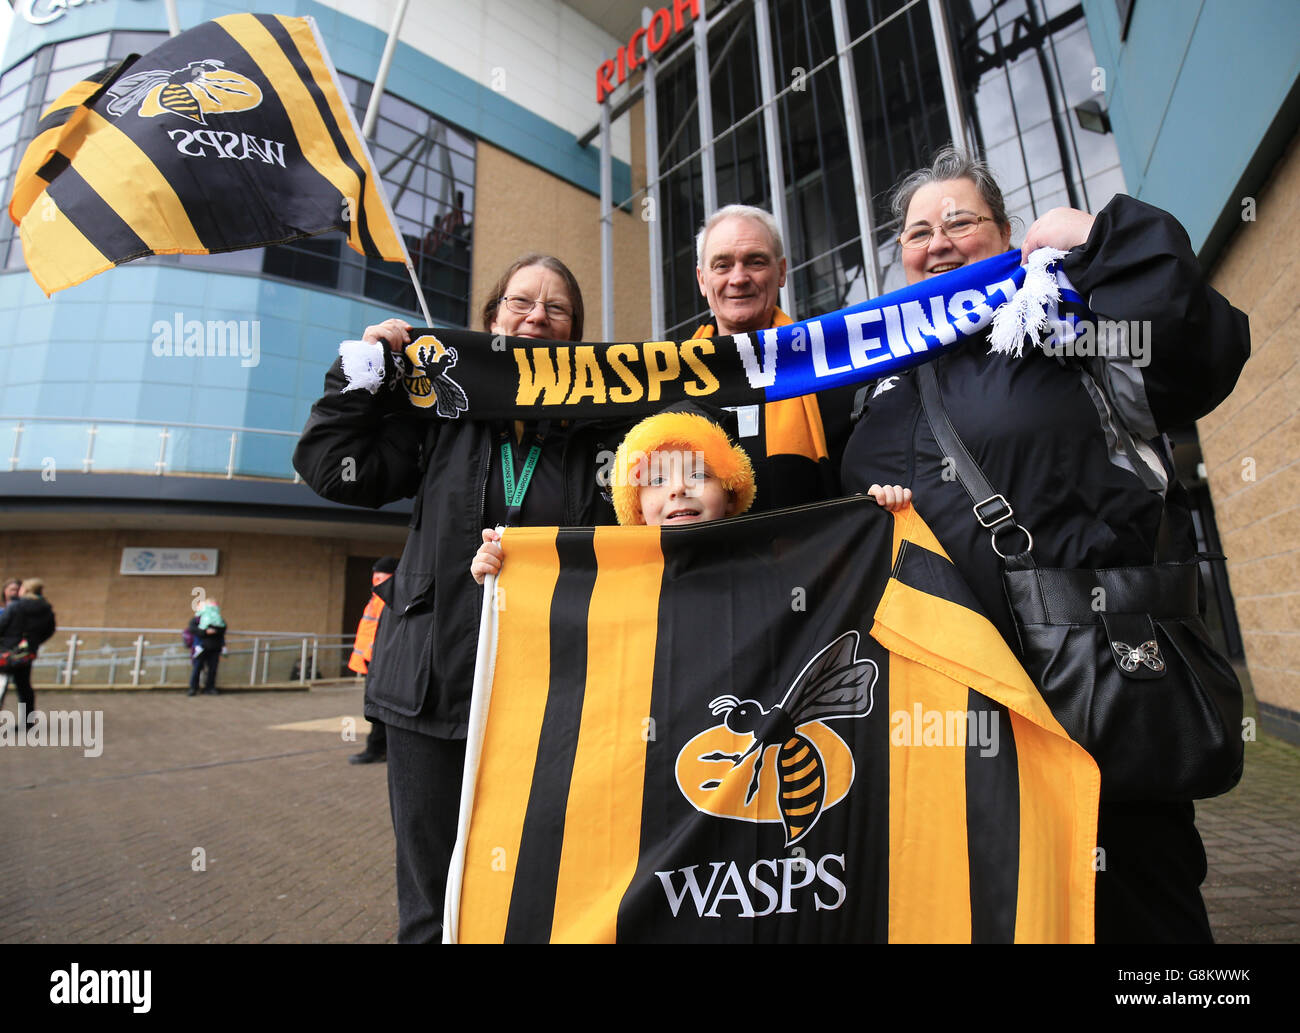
169 561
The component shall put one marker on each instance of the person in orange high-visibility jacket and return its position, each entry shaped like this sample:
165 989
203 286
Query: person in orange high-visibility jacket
796 444
363 650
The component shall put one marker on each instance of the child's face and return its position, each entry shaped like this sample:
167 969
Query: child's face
679 488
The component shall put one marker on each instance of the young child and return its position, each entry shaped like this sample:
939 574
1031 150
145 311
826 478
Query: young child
677 468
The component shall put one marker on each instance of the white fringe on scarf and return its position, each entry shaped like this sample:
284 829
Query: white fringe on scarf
363 365
1025 315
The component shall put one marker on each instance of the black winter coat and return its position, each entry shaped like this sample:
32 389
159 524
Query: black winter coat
30 618
1042 428
206 642
367 450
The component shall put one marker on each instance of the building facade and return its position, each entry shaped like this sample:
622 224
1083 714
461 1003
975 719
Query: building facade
604 132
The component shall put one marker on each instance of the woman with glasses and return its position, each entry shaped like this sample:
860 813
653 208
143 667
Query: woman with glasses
1044 430
421 674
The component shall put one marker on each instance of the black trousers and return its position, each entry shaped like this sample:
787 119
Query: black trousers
21 679
1150 888
424 776
206 661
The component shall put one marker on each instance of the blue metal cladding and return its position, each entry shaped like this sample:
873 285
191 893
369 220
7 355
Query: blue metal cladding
1192 90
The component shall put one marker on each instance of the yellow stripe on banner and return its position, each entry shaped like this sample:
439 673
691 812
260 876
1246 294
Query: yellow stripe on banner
909 527
127 180
520 685
74 95
609 762
1057 876
929 861
382 231
309 128
56 252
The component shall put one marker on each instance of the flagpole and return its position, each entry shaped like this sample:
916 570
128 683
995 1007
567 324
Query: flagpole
173 19
381 75
370 162
484 670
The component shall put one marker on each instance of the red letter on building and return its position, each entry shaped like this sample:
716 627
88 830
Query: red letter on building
679 8
603 86
632 63
664 22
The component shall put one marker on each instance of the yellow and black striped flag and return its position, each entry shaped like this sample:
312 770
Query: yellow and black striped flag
231 135
791 726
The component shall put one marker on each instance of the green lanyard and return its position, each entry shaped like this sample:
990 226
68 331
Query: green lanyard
515 493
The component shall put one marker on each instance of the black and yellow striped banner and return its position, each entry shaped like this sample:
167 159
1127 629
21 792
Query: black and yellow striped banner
783 727
231 135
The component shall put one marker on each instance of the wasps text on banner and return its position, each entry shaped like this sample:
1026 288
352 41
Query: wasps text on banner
521 378
232 135
671 753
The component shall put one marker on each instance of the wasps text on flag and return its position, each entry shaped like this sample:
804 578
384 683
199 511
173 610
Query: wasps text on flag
791 726
231 135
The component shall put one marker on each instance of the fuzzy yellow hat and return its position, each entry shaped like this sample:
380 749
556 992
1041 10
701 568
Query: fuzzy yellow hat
726 460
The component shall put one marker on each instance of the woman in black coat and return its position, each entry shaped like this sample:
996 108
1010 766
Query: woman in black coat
28 617
368 449
1048 433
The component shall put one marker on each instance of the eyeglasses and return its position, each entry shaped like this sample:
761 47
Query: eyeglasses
521 306
954 229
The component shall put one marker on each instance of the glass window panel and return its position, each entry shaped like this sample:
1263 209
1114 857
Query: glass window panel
88 50
18 76
58 82
134 43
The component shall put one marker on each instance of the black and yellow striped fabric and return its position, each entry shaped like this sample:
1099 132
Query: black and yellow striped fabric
231 135
696 734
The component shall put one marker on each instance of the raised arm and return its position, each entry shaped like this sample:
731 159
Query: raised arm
359 448
1137 265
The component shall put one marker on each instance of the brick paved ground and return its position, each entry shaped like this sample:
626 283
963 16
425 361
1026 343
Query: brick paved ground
298 843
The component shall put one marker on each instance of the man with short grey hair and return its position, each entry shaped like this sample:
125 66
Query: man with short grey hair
741 268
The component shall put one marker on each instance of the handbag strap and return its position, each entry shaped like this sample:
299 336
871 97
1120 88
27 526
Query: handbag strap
991 507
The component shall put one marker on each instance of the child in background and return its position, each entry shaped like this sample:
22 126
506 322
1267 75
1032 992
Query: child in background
676 468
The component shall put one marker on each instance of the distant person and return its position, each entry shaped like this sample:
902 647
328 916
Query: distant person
10 592
31 618
363 650
207 629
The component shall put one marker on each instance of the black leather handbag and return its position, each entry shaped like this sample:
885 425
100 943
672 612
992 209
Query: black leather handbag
1121 656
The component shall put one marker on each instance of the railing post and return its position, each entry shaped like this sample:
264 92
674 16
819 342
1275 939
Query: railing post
302 663
230 463
135 668
266 661
18 437
163 435
252 664
315 645
72 659
89 461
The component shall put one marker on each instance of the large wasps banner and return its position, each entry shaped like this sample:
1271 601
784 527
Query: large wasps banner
231 135
783 727
455 373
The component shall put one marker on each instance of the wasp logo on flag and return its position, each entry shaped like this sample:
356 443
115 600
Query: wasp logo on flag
201 88
427 382
814 766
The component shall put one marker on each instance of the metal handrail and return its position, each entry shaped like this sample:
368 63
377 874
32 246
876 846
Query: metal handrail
164 428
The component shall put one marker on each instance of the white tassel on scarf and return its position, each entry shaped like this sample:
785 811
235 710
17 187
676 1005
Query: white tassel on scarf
1026 314
363 365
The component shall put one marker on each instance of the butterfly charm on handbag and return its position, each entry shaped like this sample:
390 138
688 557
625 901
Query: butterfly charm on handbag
1130 656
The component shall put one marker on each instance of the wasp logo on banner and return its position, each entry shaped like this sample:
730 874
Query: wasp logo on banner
111 175
200 88
427 382
814 766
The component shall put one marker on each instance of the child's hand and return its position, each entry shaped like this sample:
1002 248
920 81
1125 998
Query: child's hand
892 497
489 556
